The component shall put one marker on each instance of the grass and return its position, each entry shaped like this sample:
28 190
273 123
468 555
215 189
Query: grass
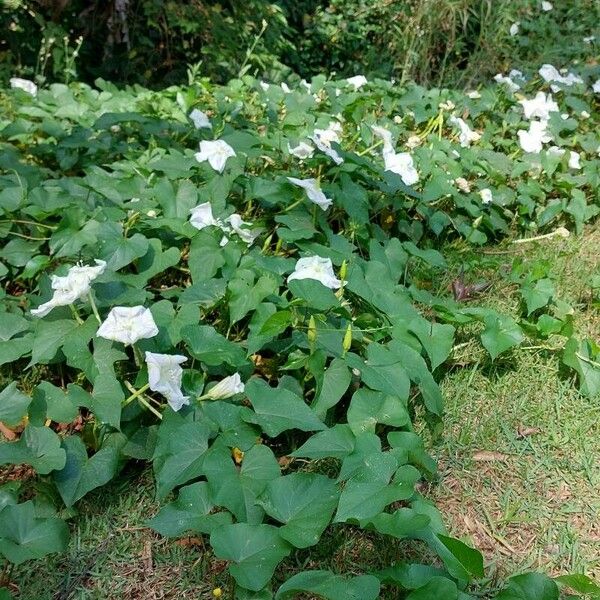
519 475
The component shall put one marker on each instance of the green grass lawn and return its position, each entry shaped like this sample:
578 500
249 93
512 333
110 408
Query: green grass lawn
519 476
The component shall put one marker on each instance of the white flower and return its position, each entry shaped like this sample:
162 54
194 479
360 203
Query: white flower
285 88
76 284
510 84
202 216
237 225
589 39
403 165
331 134
164 377
514 29
467 135
585 114
448 105
230 386
385 135
474 95
313 191
302 150
532 140
486 196
24 84
216 153
316 267
462 184
357 81
574 160
596 87
551 74
541 106
305 85
265 86
547 6
516 74
200 119
413 141
128 324
325 147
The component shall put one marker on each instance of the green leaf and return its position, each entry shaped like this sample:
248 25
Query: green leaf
469 558
106 399
121 251
13 404
336 380
237 489
276 409
210 347
59 405
529 586
38 447
49 337
437 339
23 536
537 295
254 550
501 333
304 502
437 587
584 358
81 474
580 583
179 452
314 293
337 442
192 511
401 524
367 408
277 323
245 295
329 586
11 324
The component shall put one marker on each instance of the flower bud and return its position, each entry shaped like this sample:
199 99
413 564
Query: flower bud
347 343
230 386
312 330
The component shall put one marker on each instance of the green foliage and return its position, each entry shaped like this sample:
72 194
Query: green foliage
278 372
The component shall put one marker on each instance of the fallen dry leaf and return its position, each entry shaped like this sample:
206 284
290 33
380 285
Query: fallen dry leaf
523 432
189 542
9 434
487 456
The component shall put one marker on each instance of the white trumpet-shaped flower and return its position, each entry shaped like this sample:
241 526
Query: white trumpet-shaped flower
241 228
313 191
532 140
486 196
302 151
466 135
128 324
316 267
200 119
331 134
574 157
550 74
541 106
386 136
326 149
596 87
230 386
202 216
402 164
357 81
514 29
24 84
164 376
216 152
547 6
507 81
76 284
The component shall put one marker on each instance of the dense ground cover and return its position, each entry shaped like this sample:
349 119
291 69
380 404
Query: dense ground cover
313 315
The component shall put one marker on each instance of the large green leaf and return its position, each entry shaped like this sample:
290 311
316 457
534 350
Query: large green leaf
277 409
336 442
179 452
24 536
13 404
304 502
329 586
49 336
81 474
210 347
367 408
38 447
336 380
245 294
584 358
437 587
501 333
254 551
529 586
237 489
192 511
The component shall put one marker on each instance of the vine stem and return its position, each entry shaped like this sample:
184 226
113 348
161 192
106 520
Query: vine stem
76 314
135 394
151 408
94 307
